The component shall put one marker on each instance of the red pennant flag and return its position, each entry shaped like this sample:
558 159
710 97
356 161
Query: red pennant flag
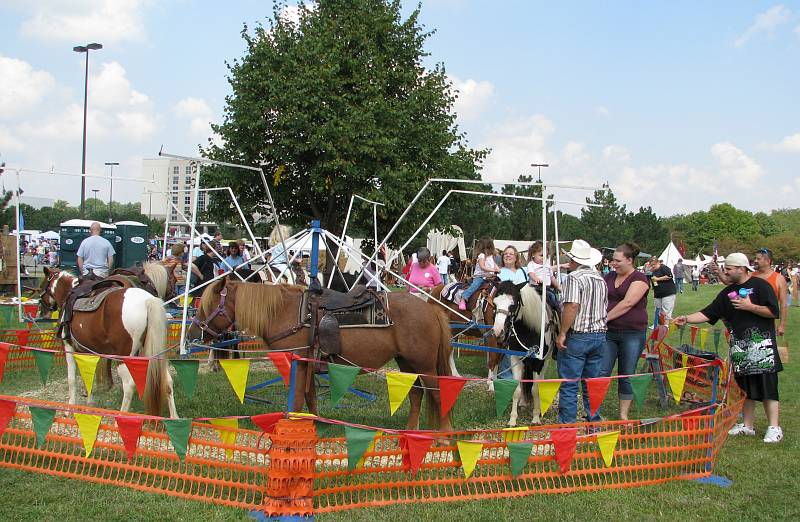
7 409
22 337
564 441
3 358
654 334
267 421
449 388
138 368
414 448
727 335
283 363
661 332
130 429
694 333
598 387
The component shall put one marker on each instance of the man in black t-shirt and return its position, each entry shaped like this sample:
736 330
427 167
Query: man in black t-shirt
202 271
748 307
663 288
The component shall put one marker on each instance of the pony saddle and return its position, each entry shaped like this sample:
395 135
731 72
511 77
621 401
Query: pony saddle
90 294
453 292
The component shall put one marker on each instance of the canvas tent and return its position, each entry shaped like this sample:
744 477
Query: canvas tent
438 241
670 255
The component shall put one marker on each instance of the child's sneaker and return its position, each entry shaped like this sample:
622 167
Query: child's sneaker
741 429
774 434
462 305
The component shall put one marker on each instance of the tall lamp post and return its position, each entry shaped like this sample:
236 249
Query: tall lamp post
94 210
111 190
540 165
85 49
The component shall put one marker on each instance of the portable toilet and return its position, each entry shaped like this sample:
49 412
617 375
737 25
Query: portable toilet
131 243
74 231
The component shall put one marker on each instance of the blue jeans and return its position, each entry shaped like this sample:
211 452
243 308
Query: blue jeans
583 359
472 288
679 284
504 368
624 347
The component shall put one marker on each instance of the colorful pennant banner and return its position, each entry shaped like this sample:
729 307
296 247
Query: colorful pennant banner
358 441
449 390
469 453
130 429
187 373
547 393
179 431
399 384
42 420
503 392
237 371
518 455
564 441
137 367
608 443
3 358
226 429
677 379
87 366
415 447
88 425
598 388
342 377
44 361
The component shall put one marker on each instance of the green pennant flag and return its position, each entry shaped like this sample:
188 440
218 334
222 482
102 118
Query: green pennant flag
358 440
187 373
681 331
179 431
717 335
342 377
44 360
42 420
503 391
639 383
518 454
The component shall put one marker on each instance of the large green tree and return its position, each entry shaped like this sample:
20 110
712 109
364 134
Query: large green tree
336 104
604 226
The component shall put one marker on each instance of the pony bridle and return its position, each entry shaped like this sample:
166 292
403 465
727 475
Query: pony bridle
50 304
205 327
511 317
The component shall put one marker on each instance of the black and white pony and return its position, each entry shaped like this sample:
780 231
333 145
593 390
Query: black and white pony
517 325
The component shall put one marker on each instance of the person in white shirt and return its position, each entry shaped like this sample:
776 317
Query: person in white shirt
443 265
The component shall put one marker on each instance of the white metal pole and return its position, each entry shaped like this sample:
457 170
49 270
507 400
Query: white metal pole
182 345
545 262
557 252
19 258
166 229
244 221
341 239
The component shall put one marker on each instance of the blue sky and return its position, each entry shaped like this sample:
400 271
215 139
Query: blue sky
678 105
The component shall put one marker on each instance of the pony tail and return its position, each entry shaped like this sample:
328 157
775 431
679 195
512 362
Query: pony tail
155 341
442 368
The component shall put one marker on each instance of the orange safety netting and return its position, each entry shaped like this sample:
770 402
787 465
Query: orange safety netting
19 359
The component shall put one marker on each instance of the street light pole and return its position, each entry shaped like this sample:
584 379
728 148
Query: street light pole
111 191
94 210
540 165
85 49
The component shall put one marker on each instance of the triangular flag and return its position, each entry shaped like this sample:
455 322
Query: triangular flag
88 426
358 441
684 360
342 377
3 358
22 337
226 428
399 385
564 441
639 384
681 331
547 392
503 391
130 429
7 409
694 333
282 362
677 378
237 371
137 366
727 335
414 448
44 360
717 334
179 431
608 443
514 434
672 328
267 421
703 337
518 454
598 387
187 373
469 453
42 420
449 389
87 365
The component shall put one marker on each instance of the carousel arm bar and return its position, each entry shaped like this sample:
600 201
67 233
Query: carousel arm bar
78 175
351 251
336 264
516 183
544 283
338 249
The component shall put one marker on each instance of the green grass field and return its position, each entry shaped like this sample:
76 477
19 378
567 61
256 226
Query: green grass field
762 474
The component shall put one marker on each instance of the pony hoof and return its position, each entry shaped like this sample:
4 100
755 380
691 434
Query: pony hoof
512 424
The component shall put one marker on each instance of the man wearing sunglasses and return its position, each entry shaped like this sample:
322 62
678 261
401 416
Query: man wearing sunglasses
748 307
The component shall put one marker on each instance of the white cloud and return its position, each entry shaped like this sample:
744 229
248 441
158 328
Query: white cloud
9 143
515 145
199 114
104 21
736 166
787 144
616 153
601 110
765 22
21 87
472 98
575 154
111 89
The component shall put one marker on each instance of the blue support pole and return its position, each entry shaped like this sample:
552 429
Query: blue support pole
315 233
292 386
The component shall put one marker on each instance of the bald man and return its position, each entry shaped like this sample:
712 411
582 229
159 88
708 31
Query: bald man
96 253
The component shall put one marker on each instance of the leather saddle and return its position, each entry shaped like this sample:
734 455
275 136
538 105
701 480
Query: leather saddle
454 291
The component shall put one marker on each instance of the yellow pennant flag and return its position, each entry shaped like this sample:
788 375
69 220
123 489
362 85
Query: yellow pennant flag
514 434
226 428
608 443
88 426
399 385
677 378
547 392
469 452
684 360
87 365
237 370
672 328
369 449
703 336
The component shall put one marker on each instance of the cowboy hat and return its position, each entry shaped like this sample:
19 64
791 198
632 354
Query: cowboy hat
583 254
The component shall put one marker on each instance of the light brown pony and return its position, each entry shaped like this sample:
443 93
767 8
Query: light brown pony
419 339
130 321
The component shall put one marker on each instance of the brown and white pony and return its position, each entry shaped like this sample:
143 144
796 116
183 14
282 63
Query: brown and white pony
419 339
129 322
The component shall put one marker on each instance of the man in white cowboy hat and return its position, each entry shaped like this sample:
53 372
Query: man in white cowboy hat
748 306
582 338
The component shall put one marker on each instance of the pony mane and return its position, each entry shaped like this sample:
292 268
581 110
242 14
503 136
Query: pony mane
158 275
205 301
256 305
531 310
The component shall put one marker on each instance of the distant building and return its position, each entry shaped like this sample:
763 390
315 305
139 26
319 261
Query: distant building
174 182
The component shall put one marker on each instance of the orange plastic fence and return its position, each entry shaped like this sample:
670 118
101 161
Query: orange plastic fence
293 472
19 359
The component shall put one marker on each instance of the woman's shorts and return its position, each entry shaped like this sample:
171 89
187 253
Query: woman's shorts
761 387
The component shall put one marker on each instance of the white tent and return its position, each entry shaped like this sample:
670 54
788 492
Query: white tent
49 235
670 255
521 246
438 241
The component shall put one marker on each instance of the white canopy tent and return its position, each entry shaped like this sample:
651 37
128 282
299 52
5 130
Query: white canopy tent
438 241
521 246
49 235
670 255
